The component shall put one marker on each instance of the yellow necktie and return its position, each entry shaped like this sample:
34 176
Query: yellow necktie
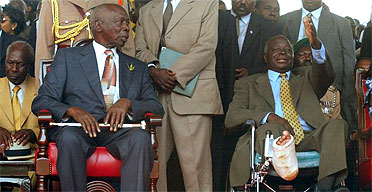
289 110
16 106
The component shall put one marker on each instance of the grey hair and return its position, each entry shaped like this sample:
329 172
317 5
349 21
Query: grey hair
26 48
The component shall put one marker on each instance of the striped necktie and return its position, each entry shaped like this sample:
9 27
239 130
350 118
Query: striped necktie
166 19
289 110
108 81
16 107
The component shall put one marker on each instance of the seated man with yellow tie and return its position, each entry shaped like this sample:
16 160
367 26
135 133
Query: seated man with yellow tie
18 126
98 83
282 99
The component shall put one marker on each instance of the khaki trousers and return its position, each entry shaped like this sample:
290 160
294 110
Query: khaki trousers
191 135
329 140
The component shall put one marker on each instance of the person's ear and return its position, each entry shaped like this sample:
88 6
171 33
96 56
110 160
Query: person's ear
13 26
98 25
265 58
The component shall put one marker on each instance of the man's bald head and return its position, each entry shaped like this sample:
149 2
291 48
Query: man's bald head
110 25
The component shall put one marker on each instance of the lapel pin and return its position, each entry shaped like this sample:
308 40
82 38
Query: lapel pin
251 32
131 67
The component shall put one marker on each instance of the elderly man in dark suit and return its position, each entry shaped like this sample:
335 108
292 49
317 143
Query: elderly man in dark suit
85 85
282 99
334 31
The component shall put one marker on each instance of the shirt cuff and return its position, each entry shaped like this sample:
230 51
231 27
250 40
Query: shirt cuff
263 121
151 65
319 55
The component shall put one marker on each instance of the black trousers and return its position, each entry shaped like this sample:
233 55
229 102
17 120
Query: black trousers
132 146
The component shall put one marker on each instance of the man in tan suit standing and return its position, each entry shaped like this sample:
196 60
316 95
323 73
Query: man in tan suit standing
17 123
63 23
188 27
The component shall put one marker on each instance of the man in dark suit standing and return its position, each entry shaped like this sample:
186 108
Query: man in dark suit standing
5 40
336 34
82 85
252 33
282 99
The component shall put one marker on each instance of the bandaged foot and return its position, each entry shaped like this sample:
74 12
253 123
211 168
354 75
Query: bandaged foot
284 157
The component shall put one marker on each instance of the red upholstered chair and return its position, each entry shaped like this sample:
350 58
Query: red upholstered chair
364 126
100 165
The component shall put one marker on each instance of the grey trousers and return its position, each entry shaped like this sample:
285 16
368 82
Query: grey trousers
132 146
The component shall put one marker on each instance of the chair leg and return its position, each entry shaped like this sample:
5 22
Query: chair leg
41 183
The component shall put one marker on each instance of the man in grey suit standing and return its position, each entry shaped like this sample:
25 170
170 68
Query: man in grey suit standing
85 85
335 32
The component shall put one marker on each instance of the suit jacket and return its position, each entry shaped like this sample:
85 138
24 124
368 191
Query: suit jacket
68 15
251 56
74 81
225 53
192 31
5 40
28 120
253 99
334 31
366 50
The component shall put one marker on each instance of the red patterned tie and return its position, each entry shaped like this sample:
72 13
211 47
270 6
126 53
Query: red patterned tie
108 81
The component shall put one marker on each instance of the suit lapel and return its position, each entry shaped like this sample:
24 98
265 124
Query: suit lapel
5 98
325 24
29 95
264 87
295 83
181 10
89 65
125 74
157 14
253 29
294 26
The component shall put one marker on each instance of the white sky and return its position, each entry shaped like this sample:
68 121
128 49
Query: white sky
357 9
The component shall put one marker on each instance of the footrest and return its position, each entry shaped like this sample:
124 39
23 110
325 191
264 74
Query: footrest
307 159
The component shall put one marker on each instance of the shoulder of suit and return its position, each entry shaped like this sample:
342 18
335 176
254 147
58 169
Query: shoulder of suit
3 80
290 14
336 18
132 60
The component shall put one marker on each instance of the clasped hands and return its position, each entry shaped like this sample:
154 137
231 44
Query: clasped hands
22 137
164 79
115 117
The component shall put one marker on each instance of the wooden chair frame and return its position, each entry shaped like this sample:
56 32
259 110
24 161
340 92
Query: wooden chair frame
43 165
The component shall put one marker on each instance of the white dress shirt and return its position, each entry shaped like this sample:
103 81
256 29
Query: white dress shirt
21 92
174 4
275 79
101 59
315 17
243 26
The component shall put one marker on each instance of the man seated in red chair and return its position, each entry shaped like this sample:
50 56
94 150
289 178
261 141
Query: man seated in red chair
98 83
282 99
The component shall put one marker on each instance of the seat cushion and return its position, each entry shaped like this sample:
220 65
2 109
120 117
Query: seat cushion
307 159
100 164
